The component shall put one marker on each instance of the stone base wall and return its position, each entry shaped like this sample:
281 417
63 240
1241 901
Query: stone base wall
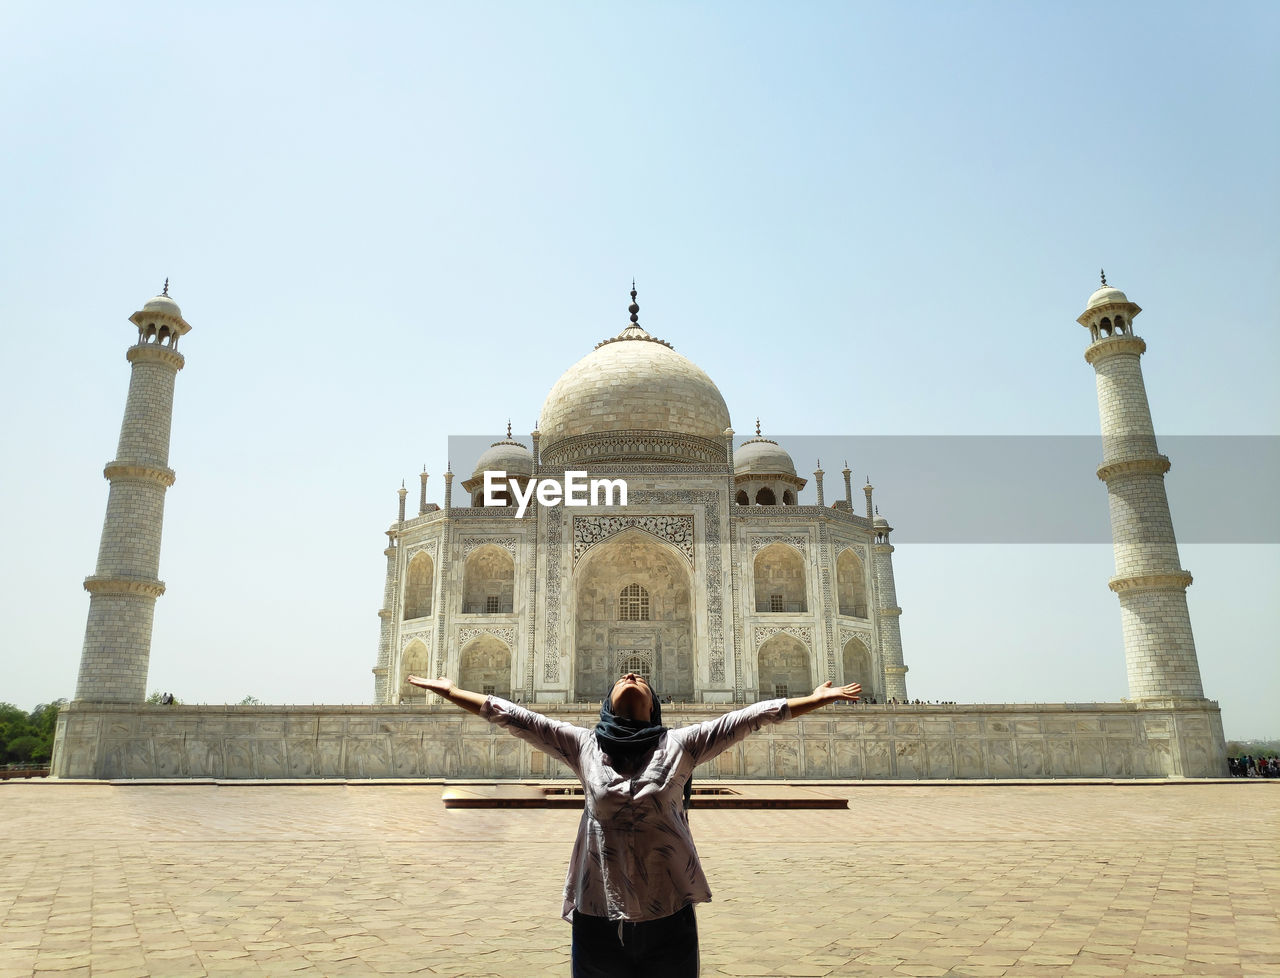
874 742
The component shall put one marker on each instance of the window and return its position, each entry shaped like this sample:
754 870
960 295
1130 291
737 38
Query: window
492 605
489 689
637 664
780 691
775 602
633 604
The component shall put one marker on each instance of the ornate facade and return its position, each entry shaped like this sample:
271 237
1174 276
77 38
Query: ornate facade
711 580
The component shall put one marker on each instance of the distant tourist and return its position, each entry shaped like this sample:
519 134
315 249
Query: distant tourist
634 875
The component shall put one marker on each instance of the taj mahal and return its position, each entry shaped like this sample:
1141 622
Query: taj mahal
712 581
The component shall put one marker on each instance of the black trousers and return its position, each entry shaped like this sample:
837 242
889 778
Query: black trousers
663 948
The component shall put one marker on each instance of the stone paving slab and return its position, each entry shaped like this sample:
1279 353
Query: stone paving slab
212 879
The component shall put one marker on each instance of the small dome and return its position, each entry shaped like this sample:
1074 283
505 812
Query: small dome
762 456
162 304
506 456
1106 294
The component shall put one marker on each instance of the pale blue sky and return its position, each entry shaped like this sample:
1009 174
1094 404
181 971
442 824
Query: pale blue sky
393 223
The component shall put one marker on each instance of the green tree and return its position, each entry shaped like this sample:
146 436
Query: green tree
27 738
20 749
14 724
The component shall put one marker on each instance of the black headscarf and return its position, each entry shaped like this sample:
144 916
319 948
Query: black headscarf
628 740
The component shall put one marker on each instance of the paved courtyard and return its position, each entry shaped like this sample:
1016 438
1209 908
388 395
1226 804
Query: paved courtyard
919 880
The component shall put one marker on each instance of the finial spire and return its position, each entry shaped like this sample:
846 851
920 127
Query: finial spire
1104 278
757 427
634 309
166 286
508 428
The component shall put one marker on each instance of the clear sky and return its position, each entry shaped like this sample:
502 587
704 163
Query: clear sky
394 223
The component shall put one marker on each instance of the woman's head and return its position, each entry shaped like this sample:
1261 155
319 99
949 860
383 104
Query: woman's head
633 698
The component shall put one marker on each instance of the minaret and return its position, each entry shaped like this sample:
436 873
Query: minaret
895 673
124 587
384 689
1159 650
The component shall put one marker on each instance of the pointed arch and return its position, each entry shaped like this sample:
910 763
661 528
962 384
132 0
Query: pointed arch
856 660
484 665
419 583
851 583
413 662
783 667
488 581
610 583
780 581
765 497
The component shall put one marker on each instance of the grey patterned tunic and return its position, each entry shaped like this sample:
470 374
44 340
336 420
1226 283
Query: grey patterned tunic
634 857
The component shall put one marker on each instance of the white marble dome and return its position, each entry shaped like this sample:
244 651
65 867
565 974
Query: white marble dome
761 456
633 386
507 456
164 305
1105 295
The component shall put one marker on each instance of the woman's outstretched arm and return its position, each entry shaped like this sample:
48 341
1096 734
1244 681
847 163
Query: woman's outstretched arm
555 737
824 694
469 701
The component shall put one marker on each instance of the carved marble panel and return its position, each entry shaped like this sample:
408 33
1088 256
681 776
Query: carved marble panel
430 546
590 530
801 543
506 543
552 545
861 634
765 632
505 633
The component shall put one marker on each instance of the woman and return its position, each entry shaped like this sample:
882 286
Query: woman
634 875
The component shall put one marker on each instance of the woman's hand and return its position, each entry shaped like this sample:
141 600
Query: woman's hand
824 694
442 686
469 701
827 693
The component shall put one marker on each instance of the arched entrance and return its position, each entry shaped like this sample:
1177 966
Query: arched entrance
412 663
780 582
633 605
857 666
485 666
418 586
782 668
488 586
851 584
